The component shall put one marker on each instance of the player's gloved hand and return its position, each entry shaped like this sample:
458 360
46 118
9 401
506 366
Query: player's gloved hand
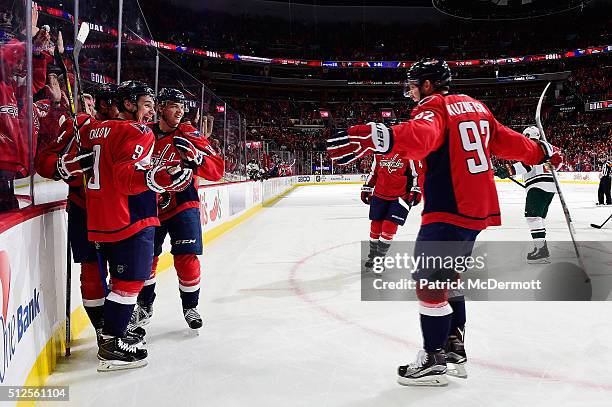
501 172
74 163
168 178
414 197
366 194
552 154
163 200
347 146
190 155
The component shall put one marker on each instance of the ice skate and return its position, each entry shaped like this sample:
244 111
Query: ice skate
456 358
115 354
429 369
193 318
539 255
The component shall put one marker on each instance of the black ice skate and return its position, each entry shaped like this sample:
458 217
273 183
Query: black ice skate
429 369
193 318
141 316
539 255
115 354
456 358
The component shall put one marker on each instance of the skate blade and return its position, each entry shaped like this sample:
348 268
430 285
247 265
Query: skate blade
539 261
113 365
433 381
456 370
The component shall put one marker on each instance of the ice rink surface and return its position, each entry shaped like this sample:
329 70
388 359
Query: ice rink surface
284 324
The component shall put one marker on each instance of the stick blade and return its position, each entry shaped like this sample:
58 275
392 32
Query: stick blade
83 33
595 226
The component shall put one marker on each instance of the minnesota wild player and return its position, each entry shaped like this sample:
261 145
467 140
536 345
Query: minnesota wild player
541 190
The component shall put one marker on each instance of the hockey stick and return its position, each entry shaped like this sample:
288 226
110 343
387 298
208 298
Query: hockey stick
81 37
602 225
568 218
80 40
517 183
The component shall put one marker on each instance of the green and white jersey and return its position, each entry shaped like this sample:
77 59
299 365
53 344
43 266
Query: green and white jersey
536 176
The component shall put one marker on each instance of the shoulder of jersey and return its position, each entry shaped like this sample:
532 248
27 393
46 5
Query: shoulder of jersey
189 130
431 99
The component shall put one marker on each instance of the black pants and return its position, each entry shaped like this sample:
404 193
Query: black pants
604 189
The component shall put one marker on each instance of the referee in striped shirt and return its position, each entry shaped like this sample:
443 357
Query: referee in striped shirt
604 183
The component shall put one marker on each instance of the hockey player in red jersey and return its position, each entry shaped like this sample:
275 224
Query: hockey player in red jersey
61 160
391 189
454 136
179 212
122 188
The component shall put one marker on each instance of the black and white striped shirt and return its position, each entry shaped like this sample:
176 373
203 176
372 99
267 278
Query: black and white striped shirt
606 171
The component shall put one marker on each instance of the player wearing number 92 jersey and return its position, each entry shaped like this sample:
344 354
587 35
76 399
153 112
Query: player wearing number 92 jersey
454 136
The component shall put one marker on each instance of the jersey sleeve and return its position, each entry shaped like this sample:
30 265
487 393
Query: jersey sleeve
62 143
373 175
131 159
423 134
213 166
508 144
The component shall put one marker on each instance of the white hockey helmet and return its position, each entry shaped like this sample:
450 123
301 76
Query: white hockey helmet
532 132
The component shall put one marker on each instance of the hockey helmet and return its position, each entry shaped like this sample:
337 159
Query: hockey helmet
532 132
132 90
172 95
432 69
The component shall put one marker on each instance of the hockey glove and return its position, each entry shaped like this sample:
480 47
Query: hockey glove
347 146
163 200
168 179
414 197
502 172
552 154
366 194
73 163
190 155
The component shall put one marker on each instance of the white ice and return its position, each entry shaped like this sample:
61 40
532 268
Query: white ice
284 324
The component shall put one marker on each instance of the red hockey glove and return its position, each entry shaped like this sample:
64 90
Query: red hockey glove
552 154
414 196
366 194
190 155
163 200
168 178
73 163
347 146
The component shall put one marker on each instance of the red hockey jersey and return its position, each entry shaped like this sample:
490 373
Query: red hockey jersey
454 137
119 203
392 176
63 142
211 169
14 139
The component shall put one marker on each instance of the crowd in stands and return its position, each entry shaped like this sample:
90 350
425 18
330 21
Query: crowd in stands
302 36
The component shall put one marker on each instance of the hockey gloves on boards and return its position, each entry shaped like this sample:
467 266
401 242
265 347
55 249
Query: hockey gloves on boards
366 194
74 163
347 146
163 178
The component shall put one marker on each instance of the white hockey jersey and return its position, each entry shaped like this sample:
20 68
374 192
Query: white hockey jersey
536 176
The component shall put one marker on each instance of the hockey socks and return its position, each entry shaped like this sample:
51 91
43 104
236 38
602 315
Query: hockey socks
92 293
188 270
119 306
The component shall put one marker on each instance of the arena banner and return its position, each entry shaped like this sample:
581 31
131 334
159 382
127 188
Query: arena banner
32 277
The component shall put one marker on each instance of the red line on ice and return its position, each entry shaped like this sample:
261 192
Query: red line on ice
299 292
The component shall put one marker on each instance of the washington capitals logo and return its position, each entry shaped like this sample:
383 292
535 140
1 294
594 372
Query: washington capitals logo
392 164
